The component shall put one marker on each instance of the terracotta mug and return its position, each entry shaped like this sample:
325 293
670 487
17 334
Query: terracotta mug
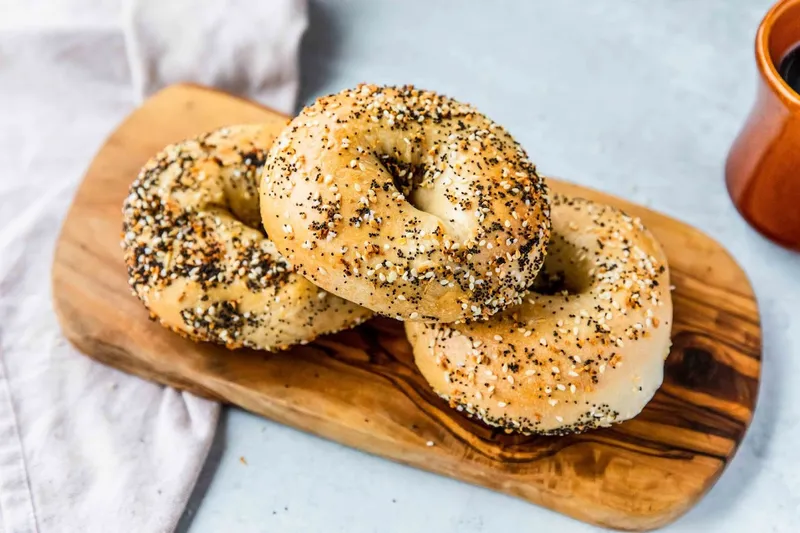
763 167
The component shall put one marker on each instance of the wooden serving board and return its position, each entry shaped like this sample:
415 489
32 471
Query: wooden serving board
361 388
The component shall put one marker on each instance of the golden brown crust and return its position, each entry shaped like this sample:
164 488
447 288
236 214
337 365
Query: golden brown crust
406 202
198 260
567 361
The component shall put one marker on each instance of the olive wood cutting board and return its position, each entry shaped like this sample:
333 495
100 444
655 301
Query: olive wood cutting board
361 388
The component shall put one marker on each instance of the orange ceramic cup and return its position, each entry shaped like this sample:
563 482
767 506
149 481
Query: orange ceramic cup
763 167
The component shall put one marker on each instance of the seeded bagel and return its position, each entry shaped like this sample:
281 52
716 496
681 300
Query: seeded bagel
406 202
198 260
585 349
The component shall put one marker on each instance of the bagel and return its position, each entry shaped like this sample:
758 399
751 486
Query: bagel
408 203
585 349
197 259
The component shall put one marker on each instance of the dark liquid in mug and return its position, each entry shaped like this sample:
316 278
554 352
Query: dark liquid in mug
789 69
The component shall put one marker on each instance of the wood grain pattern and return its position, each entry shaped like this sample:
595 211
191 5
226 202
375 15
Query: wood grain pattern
360 387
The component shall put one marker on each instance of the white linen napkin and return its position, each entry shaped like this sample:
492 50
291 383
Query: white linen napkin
246 47
82 446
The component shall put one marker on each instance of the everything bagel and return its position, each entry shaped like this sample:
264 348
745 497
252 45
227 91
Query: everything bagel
585 349
197 259
408 203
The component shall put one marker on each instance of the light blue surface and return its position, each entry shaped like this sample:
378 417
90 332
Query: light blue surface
637 98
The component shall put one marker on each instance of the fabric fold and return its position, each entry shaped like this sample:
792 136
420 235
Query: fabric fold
84 447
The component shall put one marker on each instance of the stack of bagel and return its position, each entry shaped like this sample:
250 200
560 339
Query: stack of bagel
535 313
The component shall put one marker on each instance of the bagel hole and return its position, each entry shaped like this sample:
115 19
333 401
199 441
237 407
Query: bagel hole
248 218
244 215
550 282
407 179
562 271
241 199
405 176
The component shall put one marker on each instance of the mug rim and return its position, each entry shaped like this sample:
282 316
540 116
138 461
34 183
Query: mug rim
763 58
